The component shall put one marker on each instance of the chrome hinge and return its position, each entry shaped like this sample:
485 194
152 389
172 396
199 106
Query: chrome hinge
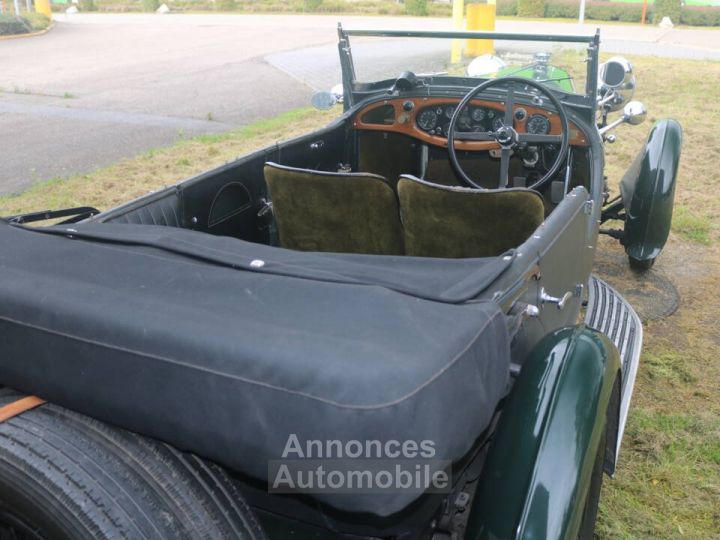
588 207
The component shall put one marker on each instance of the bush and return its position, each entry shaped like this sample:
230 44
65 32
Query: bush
700 15
37 21
88 5
416 7
10 25
531 8
596 10
667 8
606 11
150 5
226 5
562 9
311 5
506 8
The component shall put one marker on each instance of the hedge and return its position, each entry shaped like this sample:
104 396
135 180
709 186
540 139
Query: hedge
416 7
601 10
531 8
10 25
700 15
668 8
506 8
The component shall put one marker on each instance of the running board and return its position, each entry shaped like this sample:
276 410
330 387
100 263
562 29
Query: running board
609 313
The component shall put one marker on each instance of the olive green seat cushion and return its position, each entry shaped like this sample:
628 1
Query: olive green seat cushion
334 212
457 222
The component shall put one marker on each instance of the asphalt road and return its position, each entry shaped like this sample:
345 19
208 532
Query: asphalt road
101 87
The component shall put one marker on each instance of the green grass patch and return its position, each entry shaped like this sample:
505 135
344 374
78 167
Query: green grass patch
133 177
691 225
669 366
668 487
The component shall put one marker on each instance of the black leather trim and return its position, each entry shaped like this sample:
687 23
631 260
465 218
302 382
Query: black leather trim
165 211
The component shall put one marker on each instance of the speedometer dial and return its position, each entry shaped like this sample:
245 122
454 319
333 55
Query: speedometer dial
478 115
427 120
538 125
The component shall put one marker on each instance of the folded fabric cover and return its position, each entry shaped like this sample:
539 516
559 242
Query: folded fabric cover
225 348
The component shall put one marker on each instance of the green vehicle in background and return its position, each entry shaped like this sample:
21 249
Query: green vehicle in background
405 294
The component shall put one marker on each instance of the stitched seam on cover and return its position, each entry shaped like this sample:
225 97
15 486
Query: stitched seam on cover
397 401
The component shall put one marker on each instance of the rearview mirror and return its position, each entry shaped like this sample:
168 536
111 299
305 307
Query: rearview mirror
323 101
634 114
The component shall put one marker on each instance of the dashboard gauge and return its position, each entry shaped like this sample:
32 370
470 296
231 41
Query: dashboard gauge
491 114
538 125
497 123
427 120
478 115
449 111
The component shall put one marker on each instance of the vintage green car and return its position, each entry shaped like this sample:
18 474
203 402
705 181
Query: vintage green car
387 328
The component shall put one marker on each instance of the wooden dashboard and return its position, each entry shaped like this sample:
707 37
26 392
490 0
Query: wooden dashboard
402 118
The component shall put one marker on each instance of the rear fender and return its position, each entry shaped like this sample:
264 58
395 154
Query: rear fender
539 465
648 192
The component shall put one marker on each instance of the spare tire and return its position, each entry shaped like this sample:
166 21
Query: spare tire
65 475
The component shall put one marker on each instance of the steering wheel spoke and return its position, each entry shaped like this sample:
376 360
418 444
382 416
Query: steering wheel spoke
504 167
510 105
474 136
536 138
506 137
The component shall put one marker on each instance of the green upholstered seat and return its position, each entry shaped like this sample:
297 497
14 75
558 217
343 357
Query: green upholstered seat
457 222
334 212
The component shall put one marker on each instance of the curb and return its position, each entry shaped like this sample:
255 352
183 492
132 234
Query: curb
33 34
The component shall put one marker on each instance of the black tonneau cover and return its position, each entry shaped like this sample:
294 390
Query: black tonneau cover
225 348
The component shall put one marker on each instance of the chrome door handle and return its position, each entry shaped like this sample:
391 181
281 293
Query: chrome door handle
559 302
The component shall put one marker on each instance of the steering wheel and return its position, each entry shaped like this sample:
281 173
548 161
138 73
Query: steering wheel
506 135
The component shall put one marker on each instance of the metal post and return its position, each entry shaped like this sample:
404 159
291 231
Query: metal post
581 18
457 17
17 8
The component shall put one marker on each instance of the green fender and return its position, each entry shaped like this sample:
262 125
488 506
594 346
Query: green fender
648 192
539 464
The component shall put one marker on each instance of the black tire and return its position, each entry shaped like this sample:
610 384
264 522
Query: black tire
65 475
641 266
592 499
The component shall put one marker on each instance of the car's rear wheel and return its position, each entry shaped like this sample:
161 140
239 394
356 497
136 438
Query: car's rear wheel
64 475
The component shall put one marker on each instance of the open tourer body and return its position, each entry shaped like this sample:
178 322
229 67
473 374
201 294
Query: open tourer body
418 270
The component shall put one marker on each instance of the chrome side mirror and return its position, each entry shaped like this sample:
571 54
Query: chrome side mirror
323 101
634 114
616 83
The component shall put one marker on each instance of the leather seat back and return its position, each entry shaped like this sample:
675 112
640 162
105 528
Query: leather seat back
457 222
334 212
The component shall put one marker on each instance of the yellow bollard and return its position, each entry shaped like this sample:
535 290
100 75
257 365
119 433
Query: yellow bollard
43 6
480 17
457 17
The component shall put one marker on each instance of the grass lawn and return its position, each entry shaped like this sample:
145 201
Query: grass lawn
668 481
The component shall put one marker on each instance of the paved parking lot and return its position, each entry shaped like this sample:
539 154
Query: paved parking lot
101 87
